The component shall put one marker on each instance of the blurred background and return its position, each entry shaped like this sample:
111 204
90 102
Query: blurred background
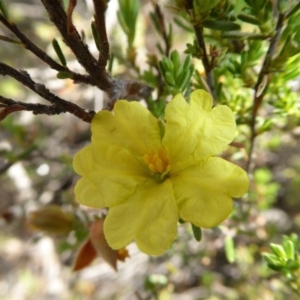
36 171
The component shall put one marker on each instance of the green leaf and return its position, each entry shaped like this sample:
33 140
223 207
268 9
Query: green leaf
184 25
162 127
278 250
123 23
275 267
197 233
293 11
170 79
168 64
160 49
272 260
248 19
4 10
193 50
161 67
221 25
175 58
283 5
187 62
179 72
268 12
289 249
243 35
186 79
127 16
95 35
176 74
10 40
59 53
111 62
155 22
292 265
256 4
229 249
63 75
202 7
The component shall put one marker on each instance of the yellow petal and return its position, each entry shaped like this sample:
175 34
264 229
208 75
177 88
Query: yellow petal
204 192
87 193
197 130
110 175
206 101
131 126
149 216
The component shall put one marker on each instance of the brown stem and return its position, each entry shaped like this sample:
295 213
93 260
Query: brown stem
161 21
36 108
189 5
116 89
31 46
206 64
73 40
258 94
100 7
61 104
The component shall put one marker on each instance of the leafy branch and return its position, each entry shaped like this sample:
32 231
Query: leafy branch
97 75
59 104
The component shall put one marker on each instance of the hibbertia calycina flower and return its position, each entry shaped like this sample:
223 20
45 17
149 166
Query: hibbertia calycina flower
149 172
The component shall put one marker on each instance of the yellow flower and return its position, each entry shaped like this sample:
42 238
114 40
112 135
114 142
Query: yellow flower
149 177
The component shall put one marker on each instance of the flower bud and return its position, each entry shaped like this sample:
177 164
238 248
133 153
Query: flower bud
85 256
103 249
51 219
96 245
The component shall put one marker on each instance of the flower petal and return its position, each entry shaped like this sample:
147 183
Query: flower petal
87 193
197 129
150 216
131 126
204 192
110 175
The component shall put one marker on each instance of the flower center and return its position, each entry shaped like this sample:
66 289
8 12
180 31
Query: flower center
158 162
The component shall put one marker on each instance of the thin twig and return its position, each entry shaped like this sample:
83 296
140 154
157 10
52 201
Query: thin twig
31 46
100 7
198 29
36 108
116 89
72 5
73 40
62 105
258 94
162 24
206 64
